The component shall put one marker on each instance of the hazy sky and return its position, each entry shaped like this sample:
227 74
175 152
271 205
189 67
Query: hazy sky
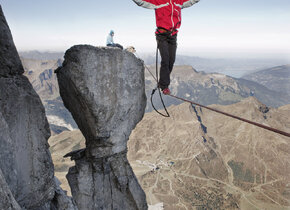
211 27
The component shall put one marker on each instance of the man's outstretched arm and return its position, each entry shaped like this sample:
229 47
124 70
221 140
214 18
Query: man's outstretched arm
149 4
188 3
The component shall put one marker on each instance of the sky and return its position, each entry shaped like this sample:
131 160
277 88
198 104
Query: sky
212 28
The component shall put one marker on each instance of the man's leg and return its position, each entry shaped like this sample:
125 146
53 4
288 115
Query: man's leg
164 79
172 45
119 46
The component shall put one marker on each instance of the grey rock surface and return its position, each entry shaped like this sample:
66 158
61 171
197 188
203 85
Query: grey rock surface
106 183
26 168
30 172
7 201
7 158
10 63
61 201
104 90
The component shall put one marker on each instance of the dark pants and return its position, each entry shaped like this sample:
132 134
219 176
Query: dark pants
167 46
115 45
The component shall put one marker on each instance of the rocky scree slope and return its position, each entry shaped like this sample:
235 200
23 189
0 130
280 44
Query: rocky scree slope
198 159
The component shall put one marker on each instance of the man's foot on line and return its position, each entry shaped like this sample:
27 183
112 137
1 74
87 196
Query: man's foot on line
166 91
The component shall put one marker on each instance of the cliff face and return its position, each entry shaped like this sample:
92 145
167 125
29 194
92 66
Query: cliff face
10 63
7 200
25 160
105 92
26 147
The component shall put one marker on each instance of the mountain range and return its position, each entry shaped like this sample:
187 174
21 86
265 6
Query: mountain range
197 159
41 75
235 67
276 78
201 87
211 88
37 55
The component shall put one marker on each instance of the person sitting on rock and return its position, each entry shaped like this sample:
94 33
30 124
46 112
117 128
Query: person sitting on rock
110 41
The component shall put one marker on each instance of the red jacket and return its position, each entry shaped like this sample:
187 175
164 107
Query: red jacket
167 12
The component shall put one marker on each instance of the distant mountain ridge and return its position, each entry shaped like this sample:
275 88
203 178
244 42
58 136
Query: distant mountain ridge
276 78
201 87
43 79
37 55
211 88
41 76
235 67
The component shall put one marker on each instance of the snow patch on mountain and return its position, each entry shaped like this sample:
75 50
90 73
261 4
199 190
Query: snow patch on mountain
56 120
158 206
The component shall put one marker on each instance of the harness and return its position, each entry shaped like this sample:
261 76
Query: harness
164 31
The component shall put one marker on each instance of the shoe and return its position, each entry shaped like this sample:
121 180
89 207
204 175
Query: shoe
166 91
